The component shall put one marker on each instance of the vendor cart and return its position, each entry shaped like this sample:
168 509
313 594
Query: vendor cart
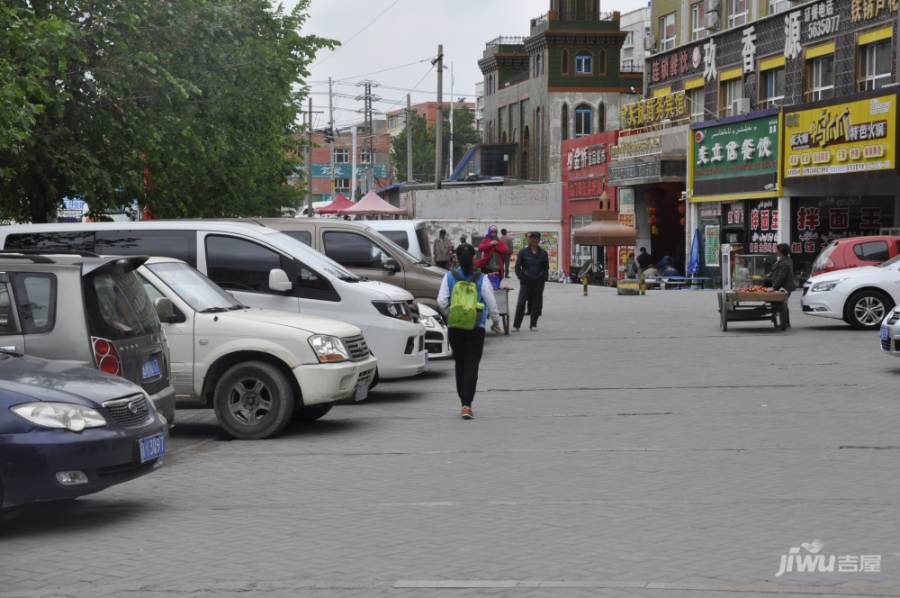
748 306
501 296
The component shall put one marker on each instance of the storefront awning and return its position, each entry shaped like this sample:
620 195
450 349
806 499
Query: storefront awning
605 231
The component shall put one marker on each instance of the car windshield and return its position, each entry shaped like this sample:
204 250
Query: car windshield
824 257
118 306
890 262
309 256
193 288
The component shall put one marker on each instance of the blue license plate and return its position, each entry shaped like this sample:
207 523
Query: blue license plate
152 447
151 368
885 333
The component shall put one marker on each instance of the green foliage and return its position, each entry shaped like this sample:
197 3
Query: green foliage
188 106
464 136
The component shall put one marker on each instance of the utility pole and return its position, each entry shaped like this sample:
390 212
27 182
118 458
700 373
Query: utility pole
439 121
353 167
368 99
309 169
333 135
409 140
452 101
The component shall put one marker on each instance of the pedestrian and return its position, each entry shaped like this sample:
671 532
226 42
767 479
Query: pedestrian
493 253
468 298
632 268
462 240
443 250
532 269
665 267
504 238
644 259
782 277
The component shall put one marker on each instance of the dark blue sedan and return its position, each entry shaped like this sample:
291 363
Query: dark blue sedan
68 431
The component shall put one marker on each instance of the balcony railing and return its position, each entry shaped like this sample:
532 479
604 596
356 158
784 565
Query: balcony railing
630 66
506 40
540 23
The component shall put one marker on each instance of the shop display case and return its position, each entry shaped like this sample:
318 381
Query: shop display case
743 270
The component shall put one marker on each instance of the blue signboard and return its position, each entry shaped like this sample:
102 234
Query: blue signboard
343 171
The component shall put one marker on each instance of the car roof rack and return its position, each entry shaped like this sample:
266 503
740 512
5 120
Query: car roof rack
76 253
16 255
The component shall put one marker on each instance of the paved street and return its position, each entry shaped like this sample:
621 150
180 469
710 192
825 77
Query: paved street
628 448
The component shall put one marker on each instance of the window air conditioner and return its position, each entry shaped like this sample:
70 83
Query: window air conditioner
711 21
649 42
713 5
740 106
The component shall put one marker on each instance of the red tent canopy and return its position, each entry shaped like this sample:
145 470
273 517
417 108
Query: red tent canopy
337 205
372 204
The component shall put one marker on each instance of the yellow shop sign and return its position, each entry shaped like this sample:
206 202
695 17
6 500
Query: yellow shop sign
651 111
858 136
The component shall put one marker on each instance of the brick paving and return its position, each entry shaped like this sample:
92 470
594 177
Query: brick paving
628 448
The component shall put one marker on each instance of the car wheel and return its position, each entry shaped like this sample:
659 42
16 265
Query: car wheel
867 309
310 414
253 400
375 380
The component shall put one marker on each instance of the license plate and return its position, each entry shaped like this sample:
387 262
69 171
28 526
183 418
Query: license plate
152 447
426 357
362 391
151 368
885 333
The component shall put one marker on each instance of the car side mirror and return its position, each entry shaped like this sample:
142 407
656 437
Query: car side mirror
279 281
391 265
166 311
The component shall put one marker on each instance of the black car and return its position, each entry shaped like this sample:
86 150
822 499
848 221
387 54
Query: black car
67 431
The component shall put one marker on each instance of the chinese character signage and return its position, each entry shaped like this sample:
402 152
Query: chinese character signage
675 65
737 160
344 171
638 148
763 230
865 10
821 19
583 157
818 221
844 138
653 111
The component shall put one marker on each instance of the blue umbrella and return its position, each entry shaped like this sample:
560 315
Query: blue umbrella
693 268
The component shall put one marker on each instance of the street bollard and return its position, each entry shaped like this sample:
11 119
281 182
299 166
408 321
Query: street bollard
584 282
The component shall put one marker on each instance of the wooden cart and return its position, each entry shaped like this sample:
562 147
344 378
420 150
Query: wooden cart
737 306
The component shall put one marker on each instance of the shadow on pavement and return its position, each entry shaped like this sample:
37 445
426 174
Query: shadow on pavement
322 427
69 516
393 396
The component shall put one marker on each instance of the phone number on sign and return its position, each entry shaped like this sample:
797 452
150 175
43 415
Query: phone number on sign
826 26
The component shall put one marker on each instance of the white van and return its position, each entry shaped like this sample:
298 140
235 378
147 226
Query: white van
261 267
411 235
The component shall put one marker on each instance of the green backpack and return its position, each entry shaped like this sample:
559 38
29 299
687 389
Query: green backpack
464 306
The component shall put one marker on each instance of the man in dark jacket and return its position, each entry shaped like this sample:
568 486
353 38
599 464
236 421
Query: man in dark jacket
782 276
532 269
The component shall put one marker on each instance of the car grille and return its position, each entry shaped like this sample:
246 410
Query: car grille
886 345
357 347
366 377
434 337
129 411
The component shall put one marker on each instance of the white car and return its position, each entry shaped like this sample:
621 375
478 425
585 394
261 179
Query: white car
862 297
257 368
437 341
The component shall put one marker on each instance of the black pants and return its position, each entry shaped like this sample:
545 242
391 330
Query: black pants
533 295
467 345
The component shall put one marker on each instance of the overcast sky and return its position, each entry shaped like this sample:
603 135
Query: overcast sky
381 35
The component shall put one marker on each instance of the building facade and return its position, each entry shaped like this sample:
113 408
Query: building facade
563 80
396 119
636 25
793 125
332 167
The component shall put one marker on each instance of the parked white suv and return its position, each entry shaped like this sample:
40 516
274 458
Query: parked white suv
256 367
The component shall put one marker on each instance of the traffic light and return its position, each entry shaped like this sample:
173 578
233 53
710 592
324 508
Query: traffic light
329 135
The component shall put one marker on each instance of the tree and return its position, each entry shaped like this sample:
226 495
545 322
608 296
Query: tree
464 136
188 106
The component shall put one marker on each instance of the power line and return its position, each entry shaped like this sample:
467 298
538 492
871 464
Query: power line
355 35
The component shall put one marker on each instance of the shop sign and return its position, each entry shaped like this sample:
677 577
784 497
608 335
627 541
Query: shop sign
626 201
585 157
345 171
585 188
734 215
865 10
653 111
821 19
639 148
712 245
644 170
735 158
818 221
675 65
763 226
858 136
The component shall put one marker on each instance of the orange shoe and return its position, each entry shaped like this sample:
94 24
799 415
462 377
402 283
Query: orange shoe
467 413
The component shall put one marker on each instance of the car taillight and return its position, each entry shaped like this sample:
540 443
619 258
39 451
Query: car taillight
106 357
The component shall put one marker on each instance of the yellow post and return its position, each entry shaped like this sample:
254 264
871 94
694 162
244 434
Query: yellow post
584 282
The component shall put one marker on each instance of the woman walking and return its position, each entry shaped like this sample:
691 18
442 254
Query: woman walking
467 297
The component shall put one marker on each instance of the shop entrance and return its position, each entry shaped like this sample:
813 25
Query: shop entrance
666 224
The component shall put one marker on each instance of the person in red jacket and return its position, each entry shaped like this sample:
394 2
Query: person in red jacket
493 253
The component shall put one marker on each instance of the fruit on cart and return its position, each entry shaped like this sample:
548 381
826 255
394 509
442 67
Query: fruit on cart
756 289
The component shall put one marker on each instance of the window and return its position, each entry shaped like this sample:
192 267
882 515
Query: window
179 244
584 63
342 185
7 319
52 241
304 236
118 307
238 265
601 118
341 155
872 251
35 301
731 91
564 121
354 250
772 88
629 39
490 85
667 32
538 65
398 236
698 27
820 78
875 65
580 254
737 13
584 117
365 156
565 62
697 99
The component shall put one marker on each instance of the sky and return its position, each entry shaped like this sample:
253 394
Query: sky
393 42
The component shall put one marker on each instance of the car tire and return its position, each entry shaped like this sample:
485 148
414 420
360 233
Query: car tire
375 380
307 415
867 309
253 400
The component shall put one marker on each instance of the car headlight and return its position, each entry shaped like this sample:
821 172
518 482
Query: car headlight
827 285
329 349
60 416
394 309
429 322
